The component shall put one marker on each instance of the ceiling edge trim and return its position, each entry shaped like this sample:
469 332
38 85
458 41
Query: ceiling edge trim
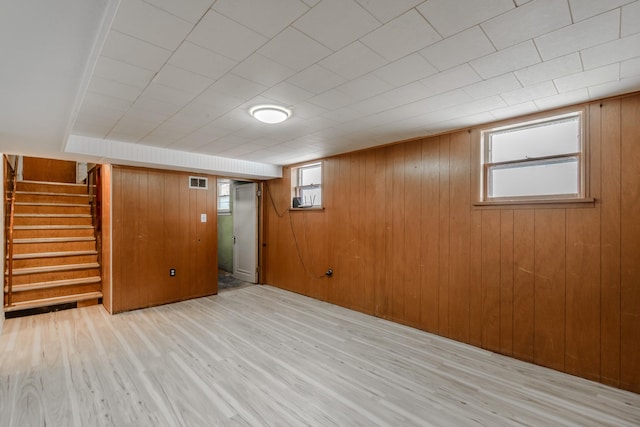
118 152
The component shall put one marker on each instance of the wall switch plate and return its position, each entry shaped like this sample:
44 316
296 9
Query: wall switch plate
172 272
203 217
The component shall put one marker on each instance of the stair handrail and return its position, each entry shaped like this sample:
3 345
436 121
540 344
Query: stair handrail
10 198
95 199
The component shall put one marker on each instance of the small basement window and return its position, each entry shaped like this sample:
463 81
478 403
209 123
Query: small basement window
306 186
537 160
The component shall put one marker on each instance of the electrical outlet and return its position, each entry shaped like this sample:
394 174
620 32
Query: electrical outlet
172 272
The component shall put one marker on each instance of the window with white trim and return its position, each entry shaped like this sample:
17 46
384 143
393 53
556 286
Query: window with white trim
224 196
306 186
536 160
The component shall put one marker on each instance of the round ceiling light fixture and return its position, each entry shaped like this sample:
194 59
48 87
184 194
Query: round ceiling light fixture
270 114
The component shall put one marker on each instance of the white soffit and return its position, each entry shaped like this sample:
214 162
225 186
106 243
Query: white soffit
116 152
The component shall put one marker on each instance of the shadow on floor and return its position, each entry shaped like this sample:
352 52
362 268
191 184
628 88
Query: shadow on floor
226 281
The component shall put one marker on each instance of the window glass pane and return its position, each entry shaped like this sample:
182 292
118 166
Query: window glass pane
557 177
223 188
544 139
311 196
310 175
223 203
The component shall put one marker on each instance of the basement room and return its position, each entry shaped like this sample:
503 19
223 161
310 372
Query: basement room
320 213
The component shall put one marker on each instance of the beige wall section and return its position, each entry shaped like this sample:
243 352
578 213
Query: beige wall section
553 285
156 226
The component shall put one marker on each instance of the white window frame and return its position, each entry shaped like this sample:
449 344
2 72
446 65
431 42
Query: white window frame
222 181
579 155
297 188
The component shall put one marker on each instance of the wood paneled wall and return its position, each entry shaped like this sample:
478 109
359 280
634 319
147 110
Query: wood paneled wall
155 227
50 170
106 254
555 285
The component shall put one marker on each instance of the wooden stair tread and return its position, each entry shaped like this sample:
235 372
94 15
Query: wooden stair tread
51 227
54 268
53 254
52 301
53 283
61 184
53 240
46 193
51 215
66 205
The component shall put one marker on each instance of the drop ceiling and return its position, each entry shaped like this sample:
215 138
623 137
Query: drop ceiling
179 76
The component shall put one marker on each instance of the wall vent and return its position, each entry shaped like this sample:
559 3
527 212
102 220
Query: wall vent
198 182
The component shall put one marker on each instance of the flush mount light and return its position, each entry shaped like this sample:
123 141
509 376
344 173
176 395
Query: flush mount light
270 113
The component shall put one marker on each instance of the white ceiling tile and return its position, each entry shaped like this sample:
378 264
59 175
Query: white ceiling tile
89 128
122 72
521 2
404 35
385 10
316 79
348 21
167 94
364 87
311 3
294 49
407 94
143 21
156 141
458 49
100 114
218 100
549 70
506 60
114 89
526 22
406 70
287 93
591 32
263 70
307 110
135 115
583 9
515 110
154 105
562 99
630 19
340 115
237 86
130 50
267 18
529 93
220 34
201 61
184 80
449 17
608 53
619 87
353 61
92 99
493 86
588 78
630 68
454 78
189 10
331 99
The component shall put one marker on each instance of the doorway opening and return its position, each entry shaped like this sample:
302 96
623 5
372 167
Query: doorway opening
237 233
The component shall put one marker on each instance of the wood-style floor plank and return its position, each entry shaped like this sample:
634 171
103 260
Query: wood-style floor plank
261 356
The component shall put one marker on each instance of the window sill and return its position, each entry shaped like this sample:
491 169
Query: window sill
320 208
548 203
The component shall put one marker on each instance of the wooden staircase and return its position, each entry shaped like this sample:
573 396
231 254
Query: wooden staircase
55 258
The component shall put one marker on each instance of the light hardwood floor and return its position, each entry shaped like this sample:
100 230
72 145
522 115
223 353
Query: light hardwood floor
262 356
